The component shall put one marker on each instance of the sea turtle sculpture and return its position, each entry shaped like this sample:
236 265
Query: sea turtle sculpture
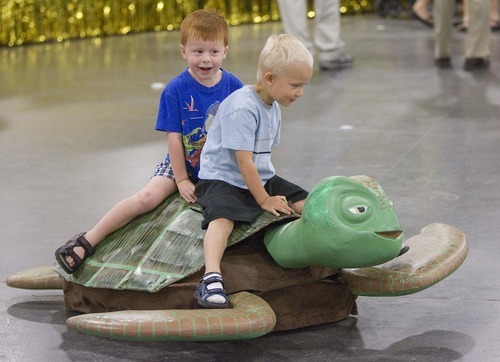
308 270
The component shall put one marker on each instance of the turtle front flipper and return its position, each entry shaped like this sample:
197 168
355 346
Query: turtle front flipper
434 254
43 277
249 317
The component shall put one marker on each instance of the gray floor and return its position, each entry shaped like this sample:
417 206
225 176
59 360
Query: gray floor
76 136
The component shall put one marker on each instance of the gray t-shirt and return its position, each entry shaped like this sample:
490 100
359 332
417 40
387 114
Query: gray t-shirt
243 123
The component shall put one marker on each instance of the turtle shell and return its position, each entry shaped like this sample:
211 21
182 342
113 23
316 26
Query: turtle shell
157 249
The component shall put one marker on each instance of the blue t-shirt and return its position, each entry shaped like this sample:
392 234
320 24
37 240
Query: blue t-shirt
243 123
188 107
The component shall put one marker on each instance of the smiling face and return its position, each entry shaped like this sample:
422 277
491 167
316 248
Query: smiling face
287 88
204 59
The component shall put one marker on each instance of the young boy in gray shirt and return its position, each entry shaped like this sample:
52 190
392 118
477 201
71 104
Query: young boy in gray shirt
237 179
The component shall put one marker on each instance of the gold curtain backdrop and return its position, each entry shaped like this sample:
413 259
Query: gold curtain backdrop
38 21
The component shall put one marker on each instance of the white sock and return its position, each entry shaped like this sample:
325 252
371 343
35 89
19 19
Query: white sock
216 285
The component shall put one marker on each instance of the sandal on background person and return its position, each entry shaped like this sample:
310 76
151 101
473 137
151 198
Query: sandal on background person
495 25
461 26
420 11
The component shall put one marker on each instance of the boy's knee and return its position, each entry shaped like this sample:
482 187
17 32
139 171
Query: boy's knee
223 224
146 200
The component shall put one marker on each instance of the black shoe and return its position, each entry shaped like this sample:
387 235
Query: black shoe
476 63
344 61
444 62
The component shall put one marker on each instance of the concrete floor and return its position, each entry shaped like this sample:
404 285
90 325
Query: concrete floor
77 135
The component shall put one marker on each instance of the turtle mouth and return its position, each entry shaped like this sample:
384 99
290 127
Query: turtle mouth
394 234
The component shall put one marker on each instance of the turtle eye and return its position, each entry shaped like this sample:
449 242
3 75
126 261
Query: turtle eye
358 210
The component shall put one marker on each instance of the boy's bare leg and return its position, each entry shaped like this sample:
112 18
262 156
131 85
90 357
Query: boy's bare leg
214 244
157 190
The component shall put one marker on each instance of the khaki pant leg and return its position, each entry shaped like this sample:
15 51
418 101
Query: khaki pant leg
443 27
294 19
477 40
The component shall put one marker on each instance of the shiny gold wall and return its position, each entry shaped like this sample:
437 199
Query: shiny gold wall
37 21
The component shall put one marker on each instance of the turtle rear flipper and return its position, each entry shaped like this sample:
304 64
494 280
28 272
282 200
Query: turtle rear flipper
43 277
249 317
434 254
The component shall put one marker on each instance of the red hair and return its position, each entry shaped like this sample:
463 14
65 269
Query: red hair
204 24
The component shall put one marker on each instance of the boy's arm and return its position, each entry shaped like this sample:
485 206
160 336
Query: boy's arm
177 160
273 204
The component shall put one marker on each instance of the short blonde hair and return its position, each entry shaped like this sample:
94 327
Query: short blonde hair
279 52
204 24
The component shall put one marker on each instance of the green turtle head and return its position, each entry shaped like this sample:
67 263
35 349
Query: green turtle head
347 222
